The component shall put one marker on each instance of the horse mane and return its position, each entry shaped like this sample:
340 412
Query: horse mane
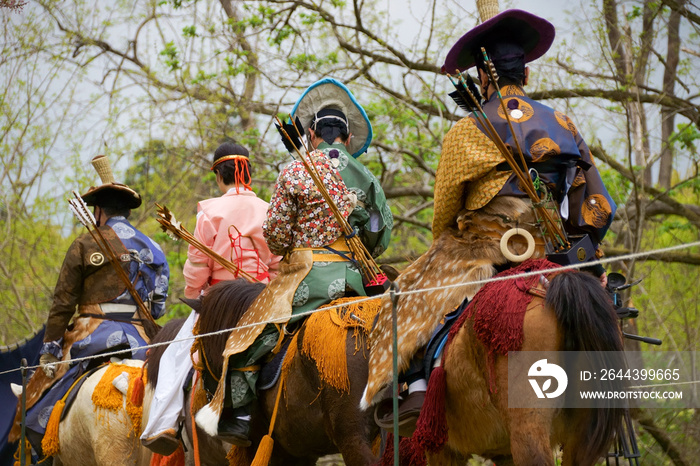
222 307
167 333
597 328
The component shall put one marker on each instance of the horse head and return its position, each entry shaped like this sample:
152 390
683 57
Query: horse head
222 307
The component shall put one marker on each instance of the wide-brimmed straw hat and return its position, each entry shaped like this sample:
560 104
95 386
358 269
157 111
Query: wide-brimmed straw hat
110 193
533 33
331 93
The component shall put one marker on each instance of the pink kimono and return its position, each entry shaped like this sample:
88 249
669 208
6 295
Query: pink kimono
231 225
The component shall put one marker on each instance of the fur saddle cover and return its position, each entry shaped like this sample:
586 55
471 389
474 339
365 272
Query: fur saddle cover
324 342
449 272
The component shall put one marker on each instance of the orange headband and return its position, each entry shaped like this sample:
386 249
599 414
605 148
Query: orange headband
228 157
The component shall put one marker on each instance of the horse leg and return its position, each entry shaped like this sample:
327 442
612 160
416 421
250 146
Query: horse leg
351 428
530 437
447 457
209 450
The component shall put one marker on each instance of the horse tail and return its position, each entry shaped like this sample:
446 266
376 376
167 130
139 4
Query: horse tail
588 321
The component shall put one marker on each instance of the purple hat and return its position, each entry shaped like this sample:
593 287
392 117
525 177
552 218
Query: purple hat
533 33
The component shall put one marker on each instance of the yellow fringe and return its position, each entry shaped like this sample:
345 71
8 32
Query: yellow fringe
264 453
324 337
27 453
134 411
49 444
236 456
377 445
106 396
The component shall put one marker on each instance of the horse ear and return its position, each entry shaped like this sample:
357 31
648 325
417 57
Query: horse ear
16 389
195 304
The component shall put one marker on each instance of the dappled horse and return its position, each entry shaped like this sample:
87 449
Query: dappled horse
576 314
316 417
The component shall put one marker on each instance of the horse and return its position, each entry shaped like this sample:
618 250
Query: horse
210 450
94 436
575 314
314 418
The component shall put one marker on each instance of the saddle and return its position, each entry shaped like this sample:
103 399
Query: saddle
271 370
433 349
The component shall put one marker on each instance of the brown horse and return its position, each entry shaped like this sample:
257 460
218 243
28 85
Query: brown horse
575 315
314 419
211 451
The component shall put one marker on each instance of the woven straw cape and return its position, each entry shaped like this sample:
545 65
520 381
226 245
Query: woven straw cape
466 176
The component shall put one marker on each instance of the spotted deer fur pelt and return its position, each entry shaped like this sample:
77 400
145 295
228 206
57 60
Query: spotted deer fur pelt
466 252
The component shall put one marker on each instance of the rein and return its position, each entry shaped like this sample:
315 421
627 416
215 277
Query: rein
198 346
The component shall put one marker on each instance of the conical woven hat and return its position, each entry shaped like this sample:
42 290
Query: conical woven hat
487 9
110 193
104 169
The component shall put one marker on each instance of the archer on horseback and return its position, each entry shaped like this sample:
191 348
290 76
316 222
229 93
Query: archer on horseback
117 279
231 226
325 206
511 166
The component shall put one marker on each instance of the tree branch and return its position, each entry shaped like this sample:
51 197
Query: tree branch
664 441
683 107
669 257
409 191
683 10
686 211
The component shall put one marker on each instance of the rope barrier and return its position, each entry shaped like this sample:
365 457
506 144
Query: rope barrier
689 382
396 293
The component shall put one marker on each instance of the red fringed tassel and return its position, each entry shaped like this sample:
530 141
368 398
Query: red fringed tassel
387 458
138 390
410 453
431 428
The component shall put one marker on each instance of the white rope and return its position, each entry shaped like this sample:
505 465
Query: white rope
690 382
369 298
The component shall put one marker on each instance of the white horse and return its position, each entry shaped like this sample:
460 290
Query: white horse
94 436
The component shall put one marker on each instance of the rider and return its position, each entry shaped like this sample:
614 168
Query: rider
471 198
108 316
338 126
317 268
230 225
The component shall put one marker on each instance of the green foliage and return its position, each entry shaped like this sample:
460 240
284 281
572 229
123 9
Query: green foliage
635 13
281 34
189 31
177 4
202 77
685 136
170 53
